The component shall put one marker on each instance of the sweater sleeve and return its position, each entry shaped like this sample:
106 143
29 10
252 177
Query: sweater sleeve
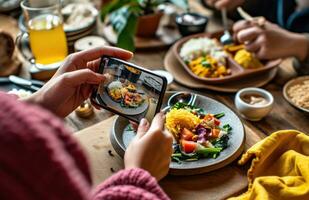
39 159
130 184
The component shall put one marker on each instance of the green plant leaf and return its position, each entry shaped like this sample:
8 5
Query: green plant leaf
126 32
123 16
180 3
114 5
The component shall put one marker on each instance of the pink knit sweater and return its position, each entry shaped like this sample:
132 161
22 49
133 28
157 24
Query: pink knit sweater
40 160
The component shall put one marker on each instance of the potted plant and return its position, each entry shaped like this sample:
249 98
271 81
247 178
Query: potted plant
131 18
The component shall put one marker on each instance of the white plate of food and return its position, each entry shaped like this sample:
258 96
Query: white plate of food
78 16
208 136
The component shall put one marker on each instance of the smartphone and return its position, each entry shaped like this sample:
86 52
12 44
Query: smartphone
129 90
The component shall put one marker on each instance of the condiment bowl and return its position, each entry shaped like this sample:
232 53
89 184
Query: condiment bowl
169 77
189 28
250 111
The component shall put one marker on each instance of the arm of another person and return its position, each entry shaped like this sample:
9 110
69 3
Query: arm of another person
265 8
271 41
302 66
220 4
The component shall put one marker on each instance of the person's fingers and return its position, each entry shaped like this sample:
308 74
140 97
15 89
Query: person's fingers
211 2
263 54
249 34
158 122
240 25
142 128
227 4
253 46
222 4
94 65
93 54
83 76
86 90
259 21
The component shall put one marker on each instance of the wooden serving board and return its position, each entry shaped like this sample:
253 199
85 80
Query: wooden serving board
173 66
220 184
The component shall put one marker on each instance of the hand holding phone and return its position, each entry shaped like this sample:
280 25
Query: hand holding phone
129 90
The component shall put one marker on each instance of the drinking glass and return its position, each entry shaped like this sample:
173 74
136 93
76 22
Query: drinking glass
44 24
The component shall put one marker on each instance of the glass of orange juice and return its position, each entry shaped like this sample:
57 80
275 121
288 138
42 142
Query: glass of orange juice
45 28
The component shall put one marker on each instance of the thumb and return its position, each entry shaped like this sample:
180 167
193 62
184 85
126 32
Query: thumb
83 76
158 122
142 128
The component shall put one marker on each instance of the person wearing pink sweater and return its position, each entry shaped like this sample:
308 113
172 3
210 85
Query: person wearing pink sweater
40 160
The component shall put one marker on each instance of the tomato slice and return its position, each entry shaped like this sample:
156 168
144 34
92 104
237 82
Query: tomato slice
217 122
188 146
208 117
186 134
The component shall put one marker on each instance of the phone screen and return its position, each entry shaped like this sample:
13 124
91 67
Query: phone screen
129 90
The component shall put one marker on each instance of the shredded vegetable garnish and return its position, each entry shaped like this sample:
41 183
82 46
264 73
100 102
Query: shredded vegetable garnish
177 119
198 134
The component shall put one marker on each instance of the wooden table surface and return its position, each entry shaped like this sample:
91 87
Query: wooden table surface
283 116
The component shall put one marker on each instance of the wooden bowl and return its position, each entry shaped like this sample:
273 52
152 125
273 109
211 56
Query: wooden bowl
237 71
291 83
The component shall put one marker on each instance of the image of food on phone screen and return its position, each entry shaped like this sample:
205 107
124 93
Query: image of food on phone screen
130 91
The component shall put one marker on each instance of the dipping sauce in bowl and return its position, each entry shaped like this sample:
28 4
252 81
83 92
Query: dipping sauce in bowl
191 23
254 99
254 103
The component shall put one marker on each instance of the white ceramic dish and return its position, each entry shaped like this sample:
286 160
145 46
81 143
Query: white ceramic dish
254 112
169 77
121 137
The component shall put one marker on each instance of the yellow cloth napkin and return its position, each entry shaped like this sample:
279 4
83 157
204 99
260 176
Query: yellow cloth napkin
279 168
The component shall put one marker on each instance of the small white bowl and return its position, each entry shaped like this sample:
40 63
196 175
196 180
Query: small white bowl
254 112
169 77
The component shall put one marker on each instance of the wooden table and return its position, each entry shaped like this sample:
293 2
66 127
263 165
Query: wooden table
228 181
214 185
